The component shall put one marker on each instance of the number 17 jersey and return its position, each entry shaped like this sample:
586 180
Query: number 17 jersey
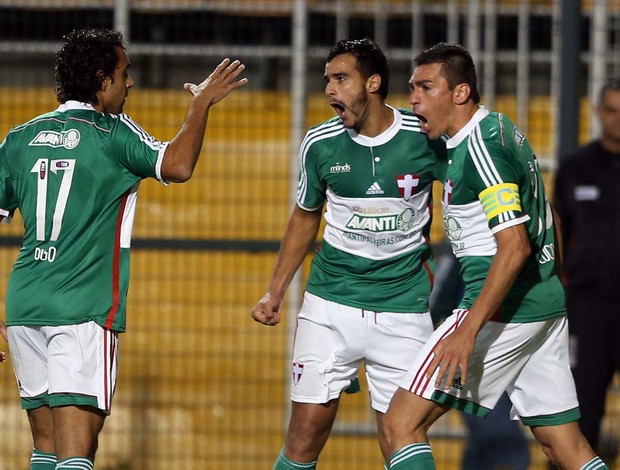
74 174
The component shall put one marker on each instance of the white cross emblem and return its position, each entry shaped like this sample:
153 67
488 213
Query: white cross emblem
406 185
447 192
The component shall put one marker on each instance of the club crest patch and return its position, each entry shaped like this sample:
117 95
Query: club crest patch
407 184
298 370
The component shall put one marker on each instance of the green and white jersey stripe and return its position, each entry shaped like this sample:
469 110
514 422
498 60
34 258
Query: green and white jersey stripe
74 175
377 193
493 182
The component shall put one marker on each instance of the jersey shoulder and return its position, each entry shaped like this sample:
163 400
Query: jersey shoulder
36 121
332 128
60 120
410 122
498 129
330 123
495 137
495 127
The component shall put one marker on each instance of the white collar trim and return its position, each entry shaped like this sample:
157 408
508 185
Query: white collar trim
467 129
382 138
72 104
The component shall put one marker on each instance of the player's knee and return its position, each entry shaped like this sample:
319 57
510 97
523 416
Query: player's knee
305 441
394 430
301 449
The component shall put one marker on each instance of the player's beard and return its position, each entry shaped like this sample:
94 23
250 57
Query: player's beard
359 110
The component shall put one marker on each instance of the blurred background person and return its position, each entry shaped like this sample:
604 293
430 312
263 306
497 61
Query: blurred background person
588 202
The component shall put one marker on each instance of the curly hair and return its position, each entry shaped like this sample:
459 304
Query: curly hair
457 65
370 59
87 58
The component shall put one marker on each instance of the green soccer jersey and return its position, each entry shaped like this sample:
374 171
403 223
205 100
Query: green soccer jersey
73 174
493 182
375 254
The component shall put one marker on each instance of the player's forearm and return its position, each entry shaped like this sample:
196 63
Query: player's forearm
183 151
513 250
299 236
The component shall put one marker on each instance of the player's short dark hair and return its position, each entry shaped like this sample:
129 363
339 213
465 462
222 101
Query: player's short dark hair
370 60
457 66
612 84
86 59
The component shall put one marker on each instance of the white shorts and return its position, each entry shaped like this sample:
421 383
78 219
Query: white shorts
527 360
64 365
332 340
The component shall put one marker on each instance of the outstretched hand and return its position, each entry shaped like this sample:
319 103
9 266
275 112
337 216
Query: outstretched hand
220 83
451 357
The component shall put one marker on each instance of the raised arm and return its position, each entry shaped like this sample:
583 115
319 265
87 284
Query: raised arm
184 149
300 234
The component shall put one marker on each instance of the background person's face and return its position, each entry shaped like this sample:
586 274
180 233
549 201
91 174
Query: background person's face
609 115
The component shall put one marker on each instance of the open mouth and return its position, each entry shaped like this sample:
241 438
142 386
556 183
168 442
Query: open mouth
339 108
423 121
420 117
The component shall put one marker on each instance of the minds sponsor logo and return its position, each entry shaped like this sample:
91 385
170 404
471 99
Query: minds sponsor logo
67 139
338 168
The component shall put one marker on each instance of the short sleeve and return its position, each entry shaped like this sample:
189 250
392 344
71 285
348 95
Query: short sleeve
136 150
8 202
493 174
311 187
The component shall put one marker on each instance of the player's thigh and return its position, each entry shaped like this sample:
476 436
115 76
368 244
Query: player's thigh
83 363
500 352
76 429
544 392
328 350
416 379
394 340
503 353
28 347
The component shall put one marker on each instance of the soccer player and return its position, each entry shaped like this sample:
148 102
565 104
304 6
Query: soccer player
73 174
510 332
366 298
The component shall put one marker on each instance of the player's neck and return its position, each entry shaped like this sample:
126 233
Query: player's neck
379 120
462 115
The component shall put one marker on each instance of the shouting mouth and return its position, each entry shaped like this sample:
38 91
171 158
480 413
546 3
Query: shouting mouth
338 107
423 122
